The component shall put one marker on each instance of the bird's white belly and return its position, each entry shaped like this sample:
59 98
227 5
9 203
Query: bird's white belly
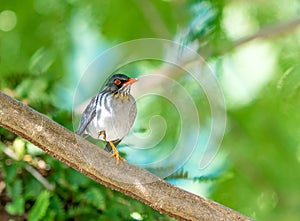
116 121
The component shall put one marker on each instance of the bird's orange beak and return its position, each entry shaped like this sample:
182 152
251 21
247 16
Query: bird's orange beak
130 81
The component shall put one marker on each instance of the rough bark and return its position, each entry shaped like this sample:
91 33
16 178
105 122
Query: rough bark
96 164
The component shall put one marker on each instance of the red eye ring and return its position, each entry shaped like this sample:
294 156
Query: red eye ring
117 81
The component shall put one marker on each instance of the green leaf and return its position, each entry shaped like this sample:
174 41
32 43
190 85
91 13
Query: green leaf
41 60
10 172
16 207
76 179
40 207
95 197
50 216
31 188
15 190
19 147
57 206
1 144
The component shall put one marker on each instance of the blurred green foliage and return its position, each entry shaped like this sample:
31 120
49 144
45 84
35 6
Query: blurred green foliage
74 196
261 146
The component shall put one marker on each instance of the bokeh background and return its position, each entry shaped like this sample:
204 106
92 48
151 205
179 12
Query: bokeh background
252 47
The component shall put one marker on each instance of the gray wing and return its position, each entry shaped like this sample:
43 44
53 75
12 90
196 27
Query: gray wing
88 115
132 111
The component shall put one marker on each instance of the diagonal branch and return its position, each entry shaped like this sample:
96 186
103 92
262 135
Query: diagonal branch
95 163
271 31
154 18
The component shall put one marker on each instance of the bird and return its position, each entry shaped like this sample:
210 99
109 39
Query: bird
110 114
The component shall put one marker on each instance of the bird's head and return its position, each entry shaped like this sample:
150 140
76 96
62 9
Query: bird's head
119 83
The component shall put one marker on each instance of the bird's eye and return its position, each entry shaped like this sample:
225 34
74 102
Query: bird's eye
117 81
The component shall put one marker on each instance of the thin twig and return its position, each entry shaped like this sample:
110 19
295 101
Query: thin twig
270 31
30 169
168 70
154 18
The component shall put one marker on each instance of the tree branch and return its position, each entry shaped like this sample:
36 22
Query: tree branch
154 18
96 164
270 31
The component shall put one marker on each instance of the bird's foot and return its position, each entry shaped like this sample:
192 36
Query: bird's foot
118 157
116 154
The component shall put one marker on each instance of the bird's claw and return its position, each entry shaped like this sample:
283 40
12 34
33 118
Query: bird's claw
116 153
117 156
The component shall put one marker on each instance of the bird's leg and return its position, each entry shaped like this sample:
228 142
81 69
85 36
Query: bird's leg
115 153
102 132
